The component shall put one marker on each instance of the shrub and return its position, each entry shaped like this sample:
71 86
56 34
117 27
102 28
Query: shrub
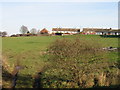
74 61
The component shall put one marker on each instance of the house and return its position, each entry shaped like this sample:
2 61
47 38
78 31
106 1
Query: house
65 31
101 31
44 31
97 31
115 32
108 32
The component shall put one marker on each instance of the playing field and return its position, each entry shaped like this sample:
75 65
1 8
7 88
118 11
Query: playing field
30 51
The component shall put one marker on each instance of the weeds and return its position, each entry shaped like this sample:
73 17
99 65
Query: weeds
81 61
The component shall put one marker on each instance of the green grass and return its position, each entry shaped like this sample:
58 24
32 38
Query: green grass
28 51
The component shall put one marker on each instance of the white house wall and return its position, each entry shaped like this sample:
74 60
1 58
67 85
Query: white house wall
111 33
98 33
65 32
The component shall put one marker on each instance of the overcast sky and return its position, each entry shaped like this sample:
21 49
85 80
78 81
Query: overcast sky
57 14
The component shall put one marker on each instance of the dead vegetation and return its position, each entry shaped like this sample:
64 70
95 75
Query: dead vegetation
81 63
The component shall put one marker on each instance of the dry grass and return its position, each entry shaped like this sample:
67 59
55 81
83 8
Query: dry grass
81 61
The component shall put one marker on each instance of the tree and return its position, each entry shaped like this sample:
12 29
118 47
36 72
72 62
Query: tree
23 29
33 31
4 33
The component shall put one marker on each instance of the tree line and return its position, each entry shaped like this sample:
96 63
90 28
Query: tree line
24 30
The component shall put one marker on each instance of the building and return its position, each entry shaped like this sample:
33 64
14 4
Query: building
65 31
101 31
44 31
115 32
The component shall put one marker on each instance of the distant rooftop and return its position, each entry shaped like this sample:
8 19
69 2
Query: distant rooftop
65 29
100 29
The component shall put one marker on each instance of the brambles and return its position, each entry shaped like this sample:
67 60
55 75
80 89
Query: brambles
79 62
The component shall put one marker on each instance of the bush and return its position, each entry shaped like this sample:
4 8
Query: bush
76 63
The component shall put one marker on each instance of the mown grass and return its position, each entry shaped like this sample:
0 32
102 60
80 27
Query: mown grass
30 52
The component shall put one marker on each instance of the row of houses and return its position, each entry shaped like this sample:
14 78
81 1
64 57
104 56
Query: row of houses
65 31
72 31
86 31
101 31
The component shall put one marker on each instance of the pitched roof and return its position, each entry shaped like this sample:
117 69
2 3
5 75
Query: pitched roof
65 29
115 30
101 30
95 29
44 30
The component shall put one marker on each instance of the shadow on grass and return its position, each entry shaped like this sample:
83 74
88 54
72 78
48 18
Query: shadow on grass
60 80
24 81
6 76
110 36
27 81
112 86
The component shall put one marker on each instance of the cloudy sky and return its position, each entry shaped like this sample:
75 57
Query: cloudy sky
57 14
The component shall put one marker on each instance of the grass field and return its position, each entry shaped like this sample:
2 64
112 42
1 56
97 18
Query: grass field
29 52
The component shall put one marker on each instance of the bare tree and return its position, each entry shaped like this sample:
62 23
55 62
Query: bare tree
4 33
33 31
38 32
23 29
